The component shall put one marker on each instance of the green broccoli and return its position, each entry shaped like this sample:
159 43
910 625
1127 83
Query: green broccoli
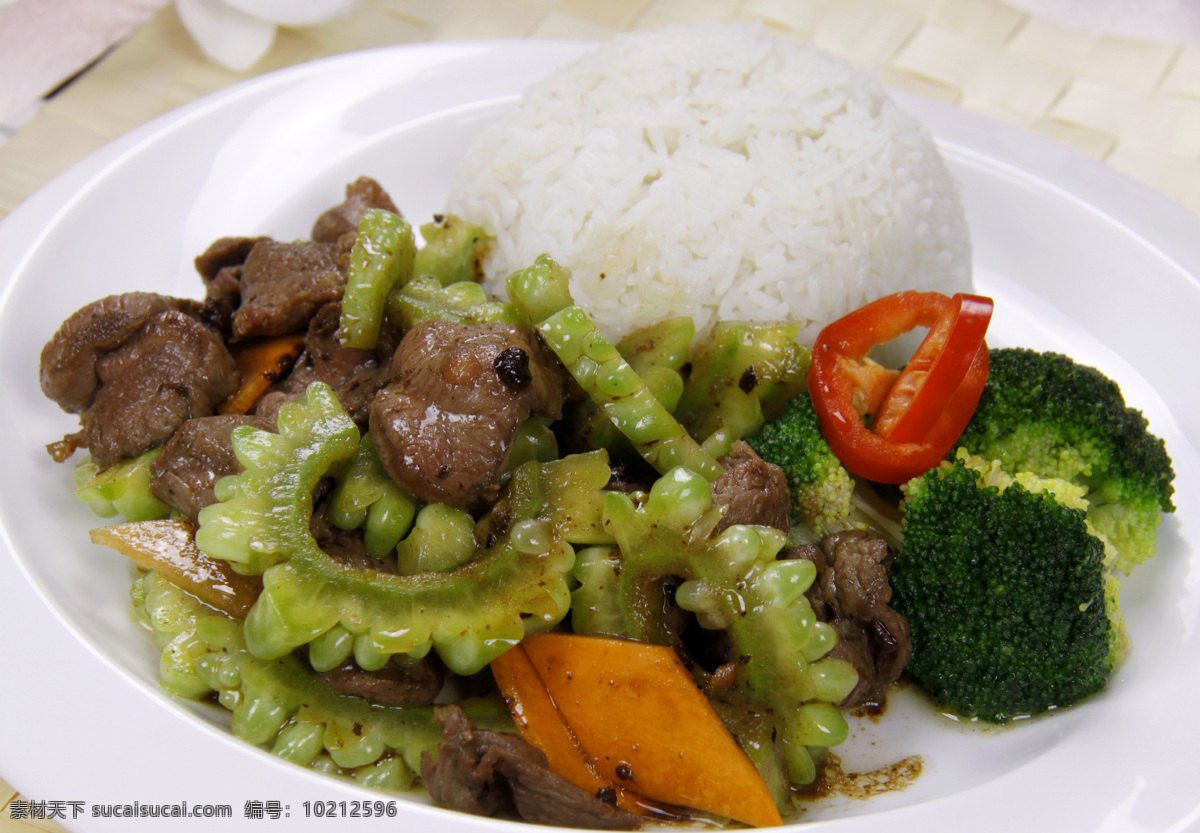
1043 413
1012 608
822 489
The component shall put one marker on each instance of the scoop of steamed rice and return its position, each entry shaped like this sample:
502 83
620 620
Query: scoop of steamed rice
716 172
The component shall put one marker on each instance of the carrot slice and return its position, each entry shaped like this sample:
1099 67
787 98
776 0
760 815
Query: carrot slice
262 363
637 714
540 723
169 548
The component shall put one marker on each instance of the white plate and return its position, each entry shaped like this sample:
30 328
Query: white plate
1057 237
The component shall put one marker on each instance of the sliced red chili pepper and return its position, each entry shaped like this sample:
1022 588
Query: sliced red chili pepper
933 375
923 413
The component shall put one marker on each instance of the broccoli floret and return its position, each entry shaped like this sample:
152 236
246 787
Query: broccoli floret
822 489
1012 608
1045 414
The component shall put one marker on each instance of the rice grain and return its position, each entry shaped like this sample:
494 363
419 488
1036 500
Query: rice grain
718 172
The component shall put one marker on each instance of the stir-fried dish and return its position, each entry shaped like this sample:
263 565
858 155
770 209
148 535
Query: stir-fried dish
409 533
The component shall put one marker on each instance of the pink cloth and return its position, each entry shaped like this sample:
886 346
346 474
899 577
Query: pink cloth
45 42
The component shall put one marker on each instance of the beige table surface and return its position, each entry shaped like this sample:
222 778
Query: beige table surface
1131 102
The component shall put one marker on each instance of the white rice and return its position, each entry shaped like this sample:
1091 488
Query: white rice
717 172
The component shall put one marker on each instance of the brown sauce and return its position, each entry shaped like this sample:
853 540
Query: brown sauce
834 780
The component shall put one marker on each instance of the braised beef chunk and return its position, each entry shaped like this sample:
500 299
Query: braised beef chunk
354 375
195 458
851 593
445 424
484 773
283 285
861 573
401 682
68 361
174 370
362 194
222 254
222 297
753 490
220 267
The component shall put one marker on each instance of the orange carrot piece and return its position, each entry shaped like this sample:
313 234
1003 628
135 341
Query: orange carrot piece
637 713
539 722
169 548
262 363
542 726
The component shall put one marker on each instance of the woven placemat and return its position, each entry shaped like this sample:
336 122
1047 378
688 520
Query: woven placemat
20 815
1133 103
